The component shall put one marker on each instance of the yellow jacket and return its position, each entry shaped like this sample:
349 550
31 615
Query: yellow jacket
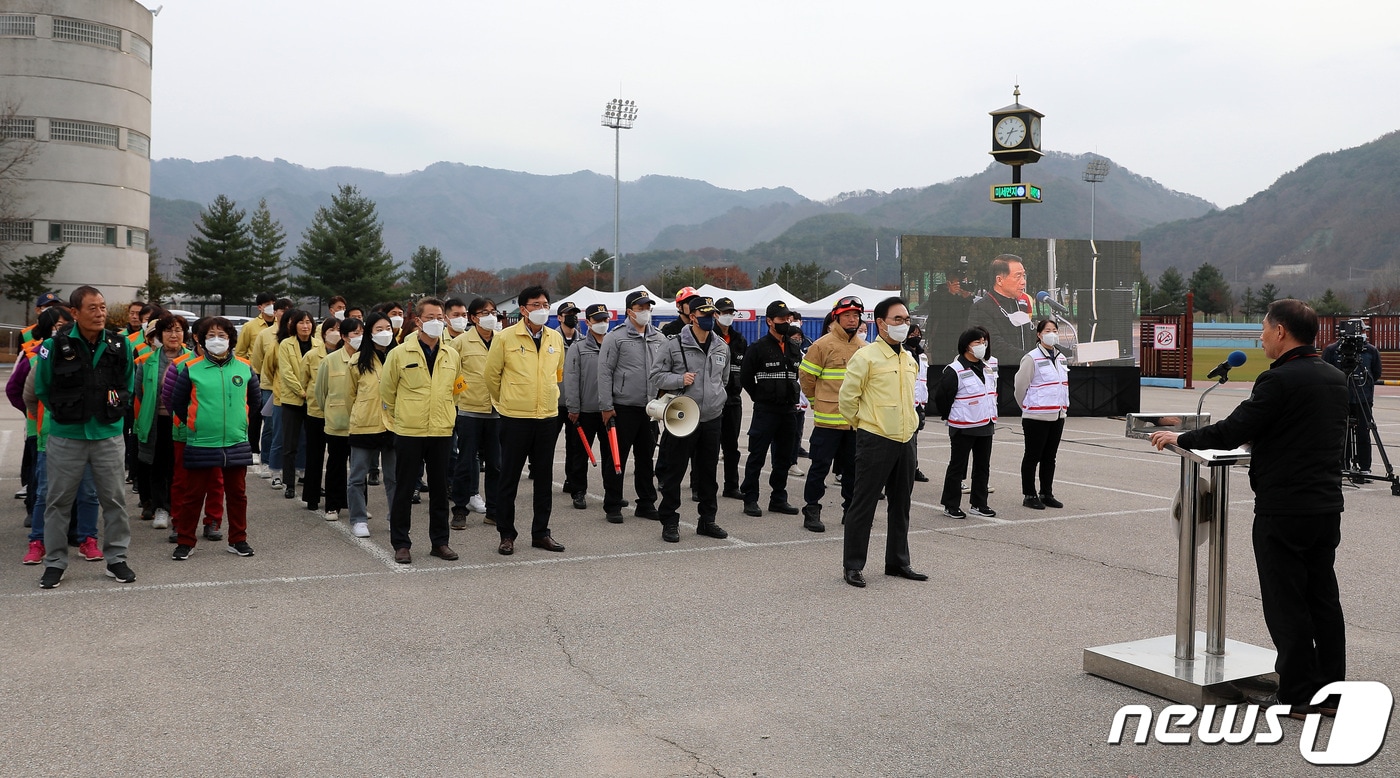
264 361
524 380
421 403
878 393
291 388
248 334
310 364
822 370
367 415
473 350
332 393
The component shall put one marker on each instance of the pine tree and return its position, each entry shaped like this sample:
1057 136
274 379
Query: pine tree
427 273
1211 290
265 270
216 259
29 277
1267 294
1170 296
343 253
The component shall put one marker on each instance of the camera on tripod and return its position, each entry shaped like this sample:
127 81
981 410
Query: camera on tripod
1351 343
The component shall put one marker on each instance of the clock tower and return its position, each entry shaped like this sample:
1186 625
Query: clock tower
1016 142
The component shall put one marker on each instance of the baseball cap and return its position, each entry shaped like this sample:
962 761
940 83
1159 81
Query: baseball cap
639 297
47 298
566 308
847 304
700 304
777 308
725 305
693 300
595 309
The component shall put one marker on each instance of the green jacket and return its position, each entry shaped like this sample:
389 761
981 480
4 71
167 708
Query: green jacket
148 390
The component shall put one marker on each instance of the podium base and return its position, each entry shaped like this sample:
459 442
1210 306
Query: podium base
1151 666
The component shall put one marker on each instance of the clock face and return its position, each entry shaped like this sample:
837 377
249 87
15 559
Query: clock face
1010 132
1035 132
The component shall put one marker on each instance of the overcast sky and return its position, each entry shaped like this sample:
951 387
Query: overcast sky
1216 98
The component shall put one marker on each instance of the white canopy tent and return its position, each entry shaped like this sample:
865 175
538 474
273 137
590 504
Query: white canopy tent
755 300
867 295
616 301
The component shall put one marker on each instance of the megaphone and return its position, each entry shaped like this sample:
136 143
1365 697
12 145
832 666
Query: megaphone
1205 511
680 415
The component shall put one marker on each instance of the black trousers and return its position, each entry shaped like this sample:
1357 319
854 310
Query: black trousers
1360 435
592 426
828 446
293 418
315 459
1042 443
636 433
337 470
980 446
160 473
430 455
255 428
775 428
526 440
26 472
1302 605
575 459
702 446
730 423
884 465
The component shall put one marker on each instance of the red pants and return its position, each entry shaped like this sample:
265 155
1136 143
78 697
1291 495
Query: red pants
213 502
194 486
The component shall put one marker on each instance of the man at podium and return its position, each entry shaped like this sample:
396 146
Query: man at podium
1295 420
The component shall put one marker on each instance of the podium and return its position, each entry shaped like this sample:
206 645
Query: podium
1190 667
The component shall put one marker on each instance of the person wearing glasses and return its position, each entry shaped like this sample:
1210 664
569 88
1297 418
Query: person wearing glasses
833 439
1005 313
478 435
877 398
522 374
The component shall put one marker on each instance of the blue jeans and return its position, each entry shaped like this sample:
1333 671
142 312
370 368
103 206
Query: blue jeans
361 459
476 436
272 435
86 501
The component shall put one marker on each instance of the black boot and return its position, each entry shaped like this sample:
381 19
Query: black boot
671 532
812 518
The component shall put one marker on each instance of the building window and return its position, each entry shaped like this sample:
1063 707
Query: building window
136 239
141 48
110 238
17 25
17 232
17 129
91 234
87 32
138 143
83 132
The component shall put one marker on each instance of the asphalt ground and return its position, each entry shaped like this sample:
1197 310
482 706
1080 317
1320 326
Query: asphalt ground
628 656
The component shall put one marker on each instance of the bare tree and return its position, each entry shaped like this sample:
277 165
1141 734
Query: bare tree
18 150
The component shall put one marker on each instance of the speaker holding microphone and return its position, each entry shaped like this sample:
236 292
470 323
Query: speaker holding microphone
678 414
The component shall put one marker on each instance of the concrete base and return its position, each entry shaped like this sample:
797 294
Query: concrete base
1151 666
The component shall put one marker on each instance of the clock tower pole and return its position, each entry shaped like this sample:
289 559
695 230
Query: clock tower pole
1016 142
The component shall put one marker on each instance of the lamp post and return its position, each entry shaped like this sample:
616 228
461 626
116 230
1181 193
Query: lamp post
597 265
1094 173
620 115
848 278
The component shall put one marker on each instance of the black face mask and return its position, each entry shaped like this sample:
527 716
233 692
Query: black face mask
913 342
783 330
571 321
851 331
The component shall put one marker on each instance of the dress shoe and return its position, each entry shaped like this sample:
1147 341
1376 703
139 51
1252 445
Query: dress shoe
402 556
733 494
1296 710
854 578
507 546
1258 683
1033 503
919 476
444 552
547 543
752 509
906 572
711 530
784 508
647 512
580 501
614 518
670 533
1050 501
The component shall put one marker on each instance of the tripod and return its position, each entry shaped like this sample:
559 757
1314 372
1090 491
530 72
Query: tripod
1360 418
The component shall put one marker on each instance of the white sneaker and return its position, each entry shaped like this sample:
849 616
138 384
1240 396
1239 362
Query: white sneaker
796 471
476 504
332 515
257 459
277 482
360 530
161 520
263 471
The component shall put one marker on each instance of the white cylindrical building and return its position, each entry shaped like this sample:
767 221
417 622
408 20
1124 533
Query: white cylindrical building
75 84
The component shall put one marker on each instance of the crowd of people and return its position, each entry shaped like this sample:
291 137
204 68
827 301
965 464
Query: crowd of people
443 401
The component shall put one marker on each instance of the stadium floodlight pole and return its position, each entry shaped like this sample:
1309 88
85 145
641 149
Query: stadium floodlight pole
1094 173
620 115
851 277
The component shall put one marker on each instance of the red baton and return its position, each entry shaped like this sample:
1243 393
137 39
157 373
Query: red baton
612 439
586 447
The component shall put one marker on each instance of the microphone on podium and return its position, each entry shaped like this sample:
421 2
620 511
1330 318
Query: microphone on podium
1045 299
1222 370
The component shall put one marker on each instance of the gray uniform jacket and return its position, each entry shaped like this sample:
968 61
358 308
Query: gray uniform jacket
624 363
581 376
682 355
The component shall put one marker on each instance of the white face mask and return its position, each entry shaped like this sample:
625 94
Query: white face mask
642 317
332 337
458 323
1050 339
268 309
383 338
433 328
340 315
898 332
539 317
979 350
356 340
396 322
216 346
489 322
725 319
599 327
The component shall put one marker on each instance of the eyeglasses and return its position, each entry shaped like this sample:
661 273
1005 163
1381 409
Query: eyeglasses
534 306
